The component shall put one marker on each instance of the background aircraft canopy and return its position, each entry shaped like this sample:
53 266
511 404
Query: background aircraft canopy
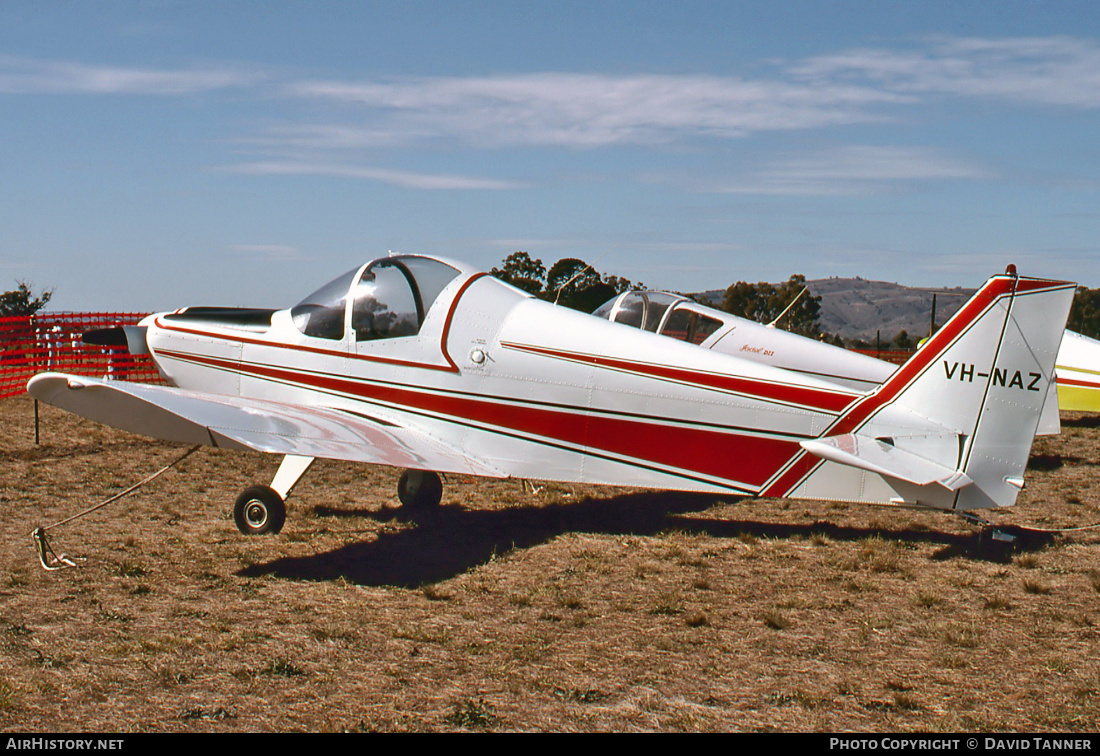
660 312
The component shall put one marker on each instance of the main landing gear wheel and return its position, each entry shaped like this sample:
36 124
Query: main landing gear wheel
259 510
419 490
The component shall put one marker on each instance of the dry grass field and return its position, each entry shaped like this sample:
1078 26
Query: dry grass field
564 609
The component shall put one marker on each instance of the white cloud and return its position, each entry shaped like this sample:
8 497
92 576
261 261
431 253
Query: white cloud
852 170
1033 70
404 179
586 110
593 110
31 76
321 137
589 111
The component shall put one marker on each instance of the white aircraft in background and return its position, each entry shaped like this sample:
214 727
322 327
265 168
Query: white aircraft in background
425 364
681 318
678 317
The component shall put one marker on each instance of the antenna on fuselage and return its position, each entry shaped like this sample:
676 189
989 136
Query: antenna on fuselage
576 275
792 304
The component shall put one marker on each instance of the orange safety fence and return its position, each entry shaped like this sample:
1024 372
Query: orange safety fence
52 342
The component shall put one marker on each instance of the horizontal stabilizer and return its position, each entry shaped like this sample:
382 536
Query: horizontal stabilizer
884 457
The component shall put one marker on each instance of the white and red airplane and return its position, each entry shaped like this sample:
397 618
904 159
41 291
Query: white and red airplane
426 364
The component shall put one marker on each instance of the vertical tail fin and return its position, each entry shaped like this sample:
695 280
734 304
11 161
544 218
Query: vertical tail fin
953 426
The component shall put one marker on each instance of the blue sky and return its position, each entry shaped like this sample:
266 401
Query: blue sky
160 154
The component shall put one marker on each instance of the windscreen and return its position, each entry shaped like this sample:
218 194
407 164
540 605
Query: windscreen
688 325
321 314
640 309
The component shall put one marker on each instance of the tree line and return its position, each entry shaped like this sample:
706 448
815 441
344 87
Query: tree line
21 301
1084 316
569 282
574 283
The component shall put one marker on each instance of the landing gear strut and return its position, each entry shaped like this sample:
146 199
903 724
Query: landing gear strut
262 509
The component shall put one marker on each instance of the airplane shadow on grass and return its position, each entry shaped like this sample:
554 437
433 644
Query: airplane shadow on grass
455 540
1082 421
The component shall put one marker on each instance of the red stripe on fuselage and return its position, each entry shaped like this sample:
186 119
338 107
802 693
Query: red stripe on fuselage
1075 382
806 397
740 458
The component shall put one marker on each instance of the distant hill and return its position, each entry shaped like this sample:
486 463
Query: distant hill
855 308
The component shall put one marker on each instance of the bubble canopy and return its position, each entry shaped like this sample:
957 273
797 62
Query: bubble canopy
387 298
660 312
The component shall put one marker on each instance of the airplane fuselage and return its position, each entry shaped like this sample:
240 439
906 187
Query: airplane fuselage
528 385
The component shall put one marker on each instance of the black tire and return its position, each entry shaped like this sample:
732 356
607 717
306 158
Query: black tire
419 490
259 510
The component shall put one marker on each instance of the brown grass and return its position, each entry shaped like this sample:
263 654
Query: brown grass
567 609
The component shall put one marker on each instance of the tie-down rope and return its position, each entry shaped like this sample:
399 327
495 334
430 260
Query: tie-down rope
53 561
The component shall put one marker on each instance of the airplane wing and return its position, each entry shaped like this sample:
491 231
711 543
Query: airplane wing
231 422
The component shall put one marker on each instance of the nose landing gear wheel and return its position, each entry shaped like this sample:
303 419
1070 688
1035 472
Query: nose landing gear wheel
259 510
